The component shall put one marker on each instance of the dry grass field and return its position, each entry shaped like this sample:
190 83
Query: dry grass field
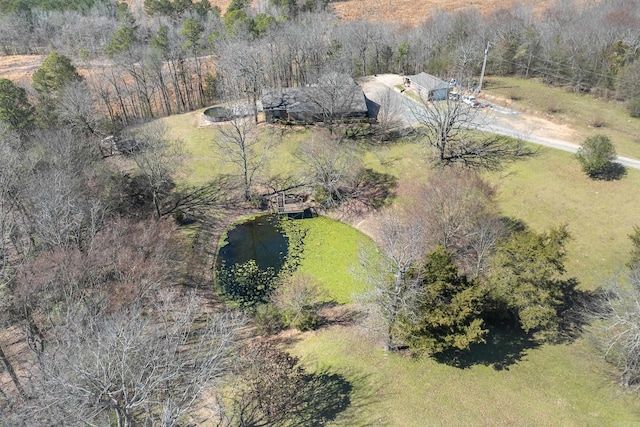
404 12
411 12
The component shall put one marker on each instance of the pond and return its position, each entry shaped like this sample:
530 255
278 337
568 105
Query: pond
260 239
248 263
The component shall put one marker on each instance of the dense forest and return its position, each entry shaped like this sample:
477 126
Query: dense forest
106 255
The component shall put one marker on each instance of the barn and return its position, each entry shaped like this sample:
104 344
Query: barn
432 87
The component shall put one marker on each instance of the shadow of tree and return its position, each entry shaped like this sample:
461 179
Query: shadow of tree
572 311
332 313
330 394
327 395
612 172
375 189
504 345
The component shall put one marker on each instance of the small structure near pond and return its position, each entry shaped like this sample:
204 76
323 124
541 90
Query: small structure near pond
295 206
222 113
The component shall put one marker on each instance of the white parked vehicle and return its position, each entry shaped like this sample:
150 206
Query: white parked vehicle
471 101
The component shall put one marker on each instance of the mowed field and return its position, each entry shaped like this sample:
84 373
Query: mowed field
510 381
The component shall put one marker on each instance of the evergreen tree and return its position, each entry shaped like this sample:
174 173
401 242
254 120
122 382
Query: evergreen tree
15 109
526 280
54 73
448 307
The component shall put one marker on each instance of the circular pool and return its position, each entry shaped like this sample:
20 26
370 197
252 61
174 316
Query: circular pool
218 114
224 113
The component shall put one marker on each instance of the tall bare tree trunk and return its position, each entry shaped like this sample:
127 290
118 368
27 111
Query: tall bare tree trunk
12 373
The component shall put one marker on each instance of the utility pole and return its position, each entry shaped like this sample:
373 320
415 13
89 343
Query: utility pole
484 66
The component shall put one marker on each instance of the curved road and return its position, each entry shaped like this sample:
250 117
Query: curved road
499 127
501 120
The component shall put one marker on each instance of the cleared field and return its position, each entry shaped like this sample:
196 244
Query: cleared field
584 113
551 190
411 13
549 386
509 381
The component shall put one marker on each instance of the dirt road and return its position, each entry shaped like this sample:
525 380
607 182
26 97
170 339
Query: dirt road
501 121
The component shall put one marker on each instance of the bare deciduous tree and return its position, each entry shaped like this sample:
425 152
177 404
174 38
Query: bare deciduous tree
271 388
451 131
331 167
268 388
134 367
336 96
615 326
157 159
239 144
10 189
392 291
457 210
76 108
243 65
487 230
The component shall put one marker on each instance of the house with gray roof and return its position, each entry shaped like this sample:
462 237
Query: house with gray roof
334 97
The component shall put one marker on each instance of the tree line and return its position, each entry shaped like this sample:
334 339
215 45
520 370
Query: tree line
171 57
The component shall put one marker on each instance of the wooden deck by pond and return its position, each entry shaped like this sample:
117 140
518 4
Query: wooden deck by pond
292 205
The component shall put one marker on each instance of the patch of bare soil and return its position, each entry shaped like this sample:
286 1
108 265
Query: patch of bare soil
530 122
19 68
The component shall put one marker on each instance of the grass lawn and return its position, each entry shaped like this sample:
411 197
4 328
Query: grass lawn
552 385
551 190
548 385
586 114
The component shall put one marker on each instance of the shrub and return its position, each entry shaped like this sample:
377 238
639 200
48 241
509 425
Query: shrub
268 319
307 320
554 107
298 298
634 108
597 156
515 96
597 121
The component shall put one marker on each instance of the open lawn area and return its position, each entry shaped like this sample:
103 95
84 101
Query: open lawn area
509 381
551 190
584 113
549 386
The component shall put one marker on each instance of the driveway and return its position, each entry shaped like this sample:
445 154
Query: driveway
498 120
